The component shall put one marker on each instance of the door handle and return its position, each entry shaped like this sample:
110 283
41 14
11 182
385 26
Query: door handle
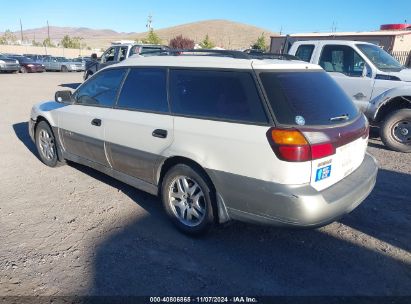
160 133
96 122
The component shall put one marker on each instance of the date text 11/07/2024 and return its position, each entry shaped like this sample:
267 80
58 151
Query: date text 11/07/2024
240 299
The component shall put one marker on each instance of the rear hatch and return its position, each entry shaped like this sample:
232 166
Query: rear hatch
317 122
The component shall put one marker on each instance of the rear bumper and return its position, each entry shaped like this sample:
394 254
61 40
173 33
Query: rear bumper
75 68
269 203
36 69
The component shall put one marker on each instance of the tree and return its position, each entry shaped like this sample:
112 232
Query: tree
8 38
48 43
207 43
71 43
260 44
180 42
35 43
152 38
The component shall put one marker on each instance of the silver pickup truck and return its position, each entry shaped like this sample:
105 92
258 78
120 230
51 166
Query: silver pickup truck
377 83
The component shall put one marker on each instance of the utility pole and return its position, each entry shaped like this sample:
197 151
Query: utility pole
21 31
149 23
48 31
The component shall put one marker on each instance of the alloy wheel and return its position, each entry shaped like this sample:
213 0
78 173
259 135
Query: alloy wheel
187 201
46 144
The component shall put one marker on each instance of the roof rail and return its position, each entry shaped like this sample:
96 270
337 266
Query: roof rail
193 52
222 53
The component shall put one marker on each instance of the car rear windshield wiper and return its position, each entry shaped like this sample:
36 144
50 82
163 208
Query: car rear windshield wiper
341 117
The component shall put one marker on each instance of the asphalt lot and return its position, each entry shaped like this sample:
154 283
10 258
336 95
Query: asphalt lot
73 231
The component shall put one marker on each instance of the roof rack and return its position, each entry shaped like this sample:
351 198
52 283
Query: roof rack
222 53
193 52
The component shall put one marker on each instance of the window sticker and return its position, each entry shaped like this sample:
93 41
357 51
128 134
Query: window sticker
299 120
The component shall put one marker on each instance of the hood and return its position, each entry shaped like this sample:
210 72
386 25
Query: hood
404 75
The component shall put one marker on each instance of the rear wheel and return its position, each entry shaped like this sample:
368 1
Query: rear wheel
188 199
23 69
396 130
46 144
64 68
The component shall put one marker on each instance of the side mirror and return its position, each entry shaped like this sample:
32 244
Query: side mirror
63 96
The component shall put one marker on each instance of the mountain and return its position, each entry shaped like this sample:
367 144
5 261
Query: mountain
223 33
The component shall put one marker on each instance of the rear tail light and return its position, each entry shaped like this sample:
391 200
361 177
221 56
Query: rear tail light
291 145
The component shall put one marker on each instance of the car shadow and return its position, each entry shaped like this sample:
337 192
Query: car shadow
378 145
387 215
21 130
374 132
148 256
73 86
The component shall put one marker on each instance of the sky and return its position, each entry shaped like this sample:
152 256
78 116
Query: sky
131 16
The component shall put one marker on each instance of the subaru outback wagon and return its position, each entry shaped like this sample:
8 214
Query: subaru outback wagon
217 138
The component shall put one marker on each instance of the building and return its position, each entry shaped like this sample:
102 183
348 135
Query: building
393 38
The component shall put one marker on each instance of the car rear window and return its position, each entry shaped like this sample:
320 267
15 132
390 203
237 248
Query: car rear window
307 98
221 95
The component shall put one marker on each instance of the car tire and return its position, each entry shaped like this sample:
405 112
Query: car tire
64 69
46 144
23 70
189 200
395 131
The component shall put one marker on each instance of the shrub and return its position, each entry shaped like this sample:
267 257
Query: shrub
181 42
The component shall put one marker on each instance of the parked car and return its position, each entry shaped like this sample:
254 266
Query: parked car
62 64
267 141
377 83
28 65
8 64
36 58
119 52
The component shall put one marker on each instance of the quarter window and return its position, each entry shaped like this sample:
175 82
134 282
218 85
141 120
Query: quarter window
144 89
342 59
224 95
101 90
304 52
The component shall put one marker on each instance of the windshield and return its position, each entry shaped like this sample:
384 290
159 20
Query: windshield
381 59
62 59
307 98
3 57
25 60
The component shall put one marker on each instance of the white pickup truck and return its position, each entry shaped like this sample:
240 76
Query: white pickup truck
377 83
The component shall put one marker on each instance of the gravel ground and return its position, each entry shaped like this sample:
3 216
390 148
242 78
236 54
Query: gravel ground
73 231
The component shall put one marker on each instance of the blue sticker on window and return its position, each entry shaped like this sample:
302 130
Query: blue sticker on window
323 173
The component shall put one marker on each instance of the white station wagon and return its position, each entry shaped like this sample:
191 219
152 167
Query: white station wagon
218 136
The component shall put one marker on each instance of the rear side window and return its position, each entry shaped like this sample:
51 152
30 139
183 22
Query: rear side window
101 89
144 89
310 98
225 95
304 52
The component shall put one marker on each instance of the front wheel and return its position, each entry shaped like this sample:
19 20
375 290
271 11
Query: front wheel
396 130
188 199
23 70
64 69
46 144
